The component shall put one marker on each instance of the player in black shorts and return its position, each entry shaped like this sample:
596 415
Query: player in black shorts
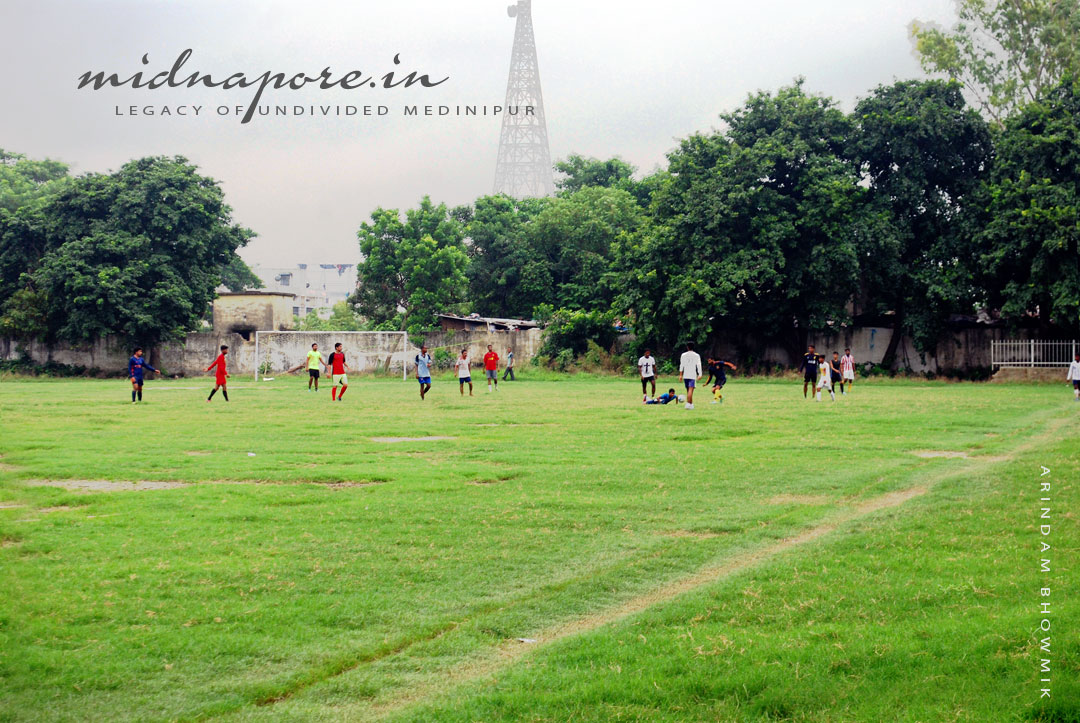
834 372
809 366
718 376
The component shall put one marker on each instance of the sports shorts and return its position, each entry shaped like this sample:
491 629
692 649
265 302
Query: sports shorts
849 376
464 380
824 383
491 373
313 373
689 383
719 383
1076 383
339 379
810 376
424 380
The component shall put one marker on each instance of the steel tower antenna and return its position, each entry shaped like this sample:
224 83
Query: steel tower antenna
524 166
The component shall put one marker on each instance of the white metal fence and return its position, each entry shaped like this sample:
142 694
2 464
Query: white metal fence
1032 353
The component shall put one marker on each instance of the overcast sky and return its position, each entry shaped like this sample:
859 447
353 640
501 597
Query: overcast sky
619 78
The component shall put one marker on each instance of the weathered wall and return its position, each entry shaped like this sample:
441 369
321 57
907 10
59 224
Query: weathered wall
525 343
254 310
198 350
958 349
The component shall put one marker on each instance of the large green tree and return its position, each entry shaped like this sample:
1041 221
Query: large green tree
412 269
549 251
923 153
1030 247
753 228
26 186
1005 52
136 253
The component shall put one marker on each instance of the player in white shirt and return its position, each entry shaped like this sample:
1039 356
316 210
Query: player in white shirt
646 365
1074 377
690 371
824 379
464 376
847 368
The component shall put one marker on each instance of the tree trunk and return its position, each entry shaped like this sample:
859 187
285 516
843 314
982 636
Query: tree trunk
888 361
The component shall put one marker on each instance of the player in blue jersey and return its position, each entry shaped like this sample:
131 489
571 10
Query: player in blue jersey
136 365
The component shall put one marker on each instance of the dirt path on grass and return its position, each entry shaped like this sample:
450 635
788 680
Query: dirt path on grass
508 652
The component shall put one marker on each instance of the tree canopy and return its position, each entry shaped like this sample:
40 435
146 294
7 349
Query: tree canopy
1005 52
136 253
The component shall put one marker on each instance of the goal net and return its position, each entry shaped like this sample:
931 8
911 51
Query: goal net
276 352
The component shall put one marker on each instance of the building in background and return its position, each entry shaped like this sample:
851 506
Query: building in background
249 311
317 287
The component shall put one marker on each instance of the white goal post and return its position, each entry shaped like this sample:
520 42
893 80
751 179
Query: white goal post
365 351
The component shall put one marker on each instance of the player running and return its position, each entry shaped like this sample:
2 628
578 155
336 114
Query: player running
847 370
136 365
464 376
809 368
824 379
690 371
222 374
338 368
423 371
1074 377
491 368
718 376
646 365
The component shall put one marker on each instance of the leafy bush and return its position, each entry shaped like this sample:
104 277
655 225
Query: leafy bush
572 330
443 359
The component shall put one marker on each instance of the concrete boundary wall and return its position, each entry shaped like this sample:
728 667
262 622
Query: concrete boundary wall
199 350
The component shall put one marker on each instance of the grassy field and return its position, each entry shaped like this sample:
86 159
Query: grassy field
561 553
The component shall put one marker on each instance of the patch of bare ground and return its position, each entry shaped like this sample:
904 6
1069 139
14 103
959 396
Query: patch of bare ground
690 534
394 440
940 453
800 500
101 485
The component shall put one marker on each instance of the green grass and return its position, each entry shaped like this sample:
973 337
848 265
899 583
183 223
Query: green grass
330 576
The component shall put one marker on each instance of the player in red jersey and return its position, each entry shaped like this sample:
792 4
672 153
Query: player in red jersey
491 366
222 374
338 368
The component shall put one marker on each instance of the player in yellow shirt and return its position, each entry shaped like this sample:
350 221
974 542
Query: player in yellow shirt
314 360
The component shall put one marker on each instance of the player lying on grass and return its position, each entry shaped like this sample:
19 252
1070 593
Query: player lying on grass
222 375
136 365
666 398
335 363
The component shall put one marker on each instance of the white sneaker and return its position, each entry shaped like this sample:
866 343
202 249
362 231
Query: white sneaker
689 405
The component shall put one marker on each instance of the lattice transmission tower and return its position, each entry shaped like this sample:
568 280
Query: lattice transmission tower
524 166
